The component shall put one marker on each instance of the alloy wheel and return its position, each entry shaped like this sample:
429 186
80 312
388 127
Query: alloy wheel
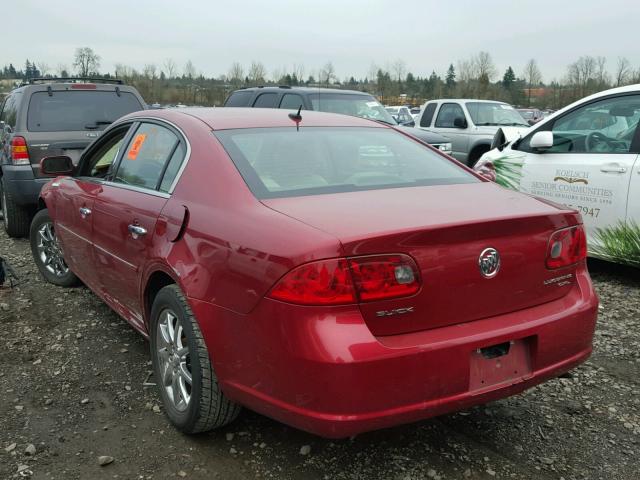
49 250
174 360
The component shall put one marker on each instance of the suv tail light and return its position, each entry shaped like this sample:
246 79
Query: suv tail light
349 280
567 247
19 152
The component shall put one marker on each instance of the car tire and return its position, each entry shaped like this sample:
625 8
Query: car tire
14 217
47 252
201 405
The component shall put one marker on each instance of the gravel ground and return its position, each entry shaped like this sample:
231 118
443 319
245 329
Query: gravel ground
73 396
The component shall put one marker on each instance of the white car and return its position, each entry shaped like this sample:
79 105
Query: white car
470 124
585 156
401 114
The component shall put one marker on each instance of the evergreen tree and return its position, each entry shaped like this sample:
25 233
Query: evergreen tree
509 78
450 79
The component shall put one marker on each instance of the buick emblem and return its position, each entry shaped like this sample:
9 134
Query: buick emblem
489 262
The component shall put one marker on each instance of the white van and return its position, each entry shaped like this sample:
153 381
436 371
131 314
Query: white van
585 156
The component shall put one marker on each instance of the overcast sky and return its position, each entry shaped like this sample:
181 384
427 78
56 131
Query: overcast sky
426 34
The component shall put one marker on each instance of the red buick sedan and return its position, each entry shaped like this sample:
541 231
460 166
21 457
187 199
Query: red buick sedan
327 271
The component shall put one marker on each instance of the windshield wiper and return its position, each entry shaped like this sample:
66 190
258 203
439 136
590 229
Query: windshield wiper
96 124
513 124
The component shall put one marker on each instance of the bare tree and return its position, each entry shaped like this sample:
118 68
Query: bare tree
86 61
278 74
170 67
623 71
149 71
327 74
602 77
63 70
399 68
44 68
189 70
236 74
257 73
485 69
298 71
533 77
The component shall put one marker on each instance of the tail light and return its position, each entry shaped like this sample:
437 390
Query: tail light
349 280
567 247
19 152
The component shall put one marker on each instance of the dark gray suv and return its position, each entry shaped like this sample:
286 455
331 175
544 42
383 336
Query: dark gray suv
348 102
51 117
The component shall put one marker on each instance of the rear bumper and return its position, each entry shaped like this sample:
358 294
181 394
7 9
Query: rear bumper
323 371
20 182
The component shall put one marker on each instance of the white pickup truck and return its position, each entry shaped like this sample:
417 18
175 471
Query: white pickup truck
469 124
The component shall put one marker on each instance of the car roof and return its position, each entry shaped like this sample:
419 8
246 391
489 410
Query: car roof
283 88
231 118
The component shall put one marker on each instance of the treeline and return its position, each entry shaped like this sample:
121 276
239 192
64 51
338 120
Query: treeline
475 77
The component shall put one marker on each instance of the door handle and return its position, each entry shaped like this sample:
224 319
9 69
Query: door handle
137 231
85 212
613 168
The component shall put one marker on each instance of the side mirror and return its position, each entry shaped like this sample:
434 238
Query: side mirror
542 140
57 165
460 122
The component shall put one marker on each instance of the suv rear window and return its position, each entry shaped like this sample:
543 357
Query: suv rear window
78 110
283 162
239 99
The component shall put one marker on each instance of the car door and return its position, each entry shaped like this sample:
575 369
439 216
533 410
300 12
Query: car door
444 125
590 165
75 204
126 211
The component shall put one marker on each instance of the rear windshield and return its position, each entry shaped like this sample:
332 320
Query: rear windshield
78 110
283 162
364 106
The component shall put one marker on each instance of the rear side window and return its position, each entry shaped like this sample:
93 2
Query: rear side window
239 99
266 100
291 101
173 167
78 110
10 110
427 116
284 162
144 159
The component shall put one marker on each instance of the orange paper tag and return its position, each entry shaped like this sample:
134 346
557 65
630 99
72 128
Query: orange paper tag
136 146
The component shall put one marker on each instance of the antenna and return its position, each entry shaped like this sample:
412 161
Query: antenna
296 117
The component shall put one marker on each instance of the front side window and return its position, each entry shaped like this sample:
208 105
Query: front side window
98 162
607 126
78 110
494 114
283 162
447 115
427 116
144 158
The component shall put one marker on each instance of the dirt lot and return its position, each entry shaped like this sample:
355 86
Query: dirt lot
72 389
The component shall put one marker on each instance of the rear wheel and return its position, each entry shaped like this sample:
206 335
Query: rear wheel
47 252
182 367
14 217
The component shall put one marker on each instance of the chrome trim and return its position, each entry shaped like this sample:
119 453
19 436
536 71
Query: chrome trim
59 225
134 188
131 265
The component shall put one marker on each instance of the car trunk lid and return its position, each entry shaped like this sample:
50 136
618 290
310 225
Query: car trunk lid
47 144
445 229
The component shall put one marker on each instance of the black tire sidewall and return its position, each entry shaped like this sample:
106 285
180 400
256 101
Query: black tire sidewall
67 280
168 298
